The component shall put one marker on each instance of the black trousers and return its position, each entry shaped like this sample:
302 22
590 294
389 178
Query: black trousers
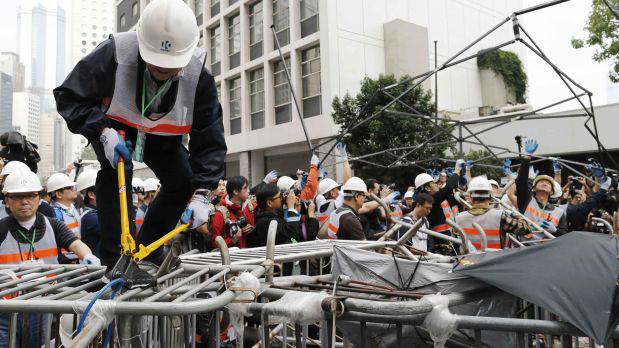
169 160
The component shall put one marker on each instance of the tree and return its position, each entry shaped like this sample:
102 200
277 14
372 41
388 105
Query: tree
477 170
603 34
388 131
88 153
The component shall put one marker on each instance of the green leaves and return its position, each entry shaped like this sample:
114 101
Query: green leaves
603 34
509 66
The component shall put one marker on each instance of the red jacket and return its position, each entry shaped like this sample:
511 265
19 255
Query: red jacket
218 224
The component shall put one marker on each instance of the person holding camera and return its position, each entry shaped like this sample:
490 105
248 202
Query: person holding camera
234 216
271 208
579 204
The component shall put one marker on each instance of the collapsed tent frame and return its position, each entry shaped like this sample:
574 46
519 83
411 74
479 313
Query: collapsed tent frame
465 134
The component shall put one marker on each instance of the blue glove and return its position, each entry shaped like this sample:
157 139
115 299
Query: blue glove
556 165
460 163
397 194
530 146
469 164
115 146
198 210
596 170
315 160
533 173
506 169
322 172
91 259
270 177
463 181
449 171
548 226
186 217
341 151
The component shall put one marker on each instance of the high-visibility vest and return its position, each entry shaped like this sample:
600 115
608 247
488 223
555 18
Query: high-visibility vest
448 213
490 221
70 217
122 105
397 212
322 213
333 225
536 214
139 220
45 249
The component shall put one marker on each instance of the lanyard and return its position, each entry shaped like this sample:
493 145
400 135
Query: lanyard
31 248
160 91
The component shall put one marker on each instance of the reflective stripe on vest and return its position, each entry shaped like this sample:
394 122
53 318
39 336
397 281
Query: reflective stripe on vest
535 213
489 221
333 225
446 209
139 220
441 228
45 249
122 107
397 212
71 218
323 217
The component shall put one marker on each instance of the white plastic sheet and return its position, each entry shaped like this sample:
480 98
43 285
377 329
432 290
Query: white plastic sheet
440 322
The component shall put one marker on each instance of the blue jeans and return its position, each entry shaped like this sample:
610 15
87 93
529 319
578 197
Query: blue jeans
35 331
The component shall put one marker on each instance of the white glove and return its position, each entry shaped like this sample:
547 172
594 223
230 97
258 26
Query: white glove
605 185
270 177
315 160
115 146
460 164
198 209
92 260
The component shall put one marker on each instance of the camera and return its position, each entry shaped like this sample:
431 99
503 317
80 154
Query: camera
235 226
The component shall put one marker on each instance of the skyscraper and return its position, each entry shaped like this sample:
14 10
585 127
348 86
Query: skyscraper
91 23
6 102
11 65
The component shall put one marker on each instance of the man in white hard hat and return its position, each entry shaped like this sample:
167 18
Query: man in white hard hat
30 237
89 219
151 84
535 204
64 194
496 223
344 222
441 209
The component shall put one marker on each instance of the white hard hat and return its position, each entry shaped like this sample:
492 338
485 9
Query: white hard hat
285 183
86 179
14 167
20 182
423 179
494 183
408 194
557 190
354 184
325 185
151 184
478 185
167 33
58 181
137 184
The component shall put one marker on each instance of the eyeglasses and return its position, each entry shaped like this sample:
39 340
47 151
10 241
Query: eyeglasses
71 188
22 196
276 197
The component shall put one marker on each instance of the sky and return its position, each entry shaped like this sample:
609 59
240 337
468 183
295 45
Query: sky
552 29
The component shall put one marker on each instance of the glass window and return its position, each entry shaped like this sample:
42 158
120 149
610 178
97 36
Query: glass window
310 74
214 8
281 92
234 103
255 23
122 20
199 6
215 44
309 8
256 90
280 15
234 35
134 9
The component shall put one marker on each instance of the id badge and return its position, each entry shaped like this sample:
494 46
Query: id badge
138 152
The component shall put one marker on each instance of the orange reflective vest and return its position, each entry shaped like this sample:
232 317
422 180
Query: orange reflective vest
490 221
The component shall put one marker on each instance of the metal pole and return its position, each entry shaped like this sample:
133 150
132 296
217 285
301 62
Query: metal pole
294 96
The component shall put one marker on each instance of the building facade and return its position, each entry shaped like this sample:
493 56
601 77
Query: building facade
328 46
26 114
6 102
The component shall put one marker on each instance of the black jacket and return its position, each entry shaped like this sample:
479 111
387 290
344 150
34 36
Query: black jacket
578 214
286 231
79 99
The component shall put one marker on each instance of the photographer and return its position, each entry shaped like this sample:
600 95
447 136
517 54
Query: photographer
234 217
270 207
15 147
579 205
